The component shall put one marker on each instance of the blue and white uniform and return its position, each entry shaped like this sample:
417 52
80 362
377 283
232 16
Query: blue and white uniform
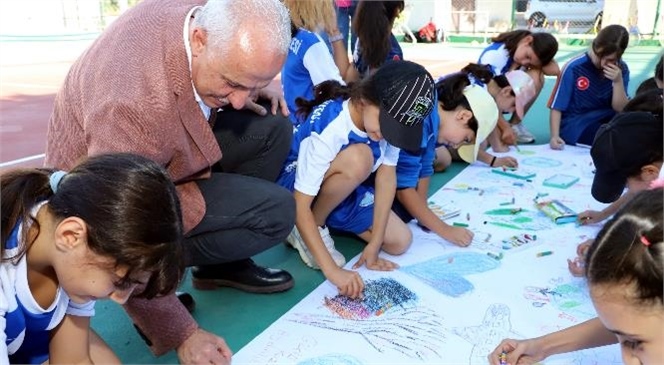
308 63
415 166
25 324
395 53
327 131
583 96
497 57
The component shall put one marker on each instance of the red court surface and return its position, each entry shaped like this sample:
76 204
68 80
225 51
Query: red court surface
31 74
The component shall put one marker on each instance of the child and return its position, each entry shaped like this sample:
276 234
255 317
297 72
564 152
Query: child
350 133
512 92
373 23
110 225
466 114
624 273
309 61
520 50
591 90
655 82
634 131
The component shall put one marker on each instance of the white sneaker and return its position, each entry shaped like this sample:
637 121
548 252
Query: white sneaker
522 134
295 240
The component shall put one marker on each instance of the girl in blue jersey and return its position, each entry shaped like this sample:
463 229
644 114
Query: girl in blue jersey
591 89
373 23
519 50
109 225
309 61
466 114
350 133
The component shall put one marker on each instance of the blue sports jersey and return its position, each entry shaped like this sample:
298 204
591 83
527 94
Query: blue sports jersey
308 63
25 324
583 96
395 53
412 167
497 57
327 131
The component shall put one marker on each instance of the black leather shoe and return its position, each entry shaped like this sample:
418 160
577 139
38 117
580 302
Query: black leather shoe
244 275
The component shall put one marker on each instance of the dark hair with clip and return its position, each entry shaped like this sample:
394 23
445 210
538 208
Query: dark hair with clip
450 95
128 203
332 89
629 249
545 45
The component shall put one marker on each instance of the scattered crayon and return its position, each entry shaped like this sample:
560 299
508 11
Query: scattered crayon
495 256
544 253
517 184
467 216
487 238
459 224
506 203
516 210
541 195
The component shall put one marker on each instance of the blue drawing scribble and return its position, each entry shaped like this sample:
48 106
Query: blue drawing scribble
447 273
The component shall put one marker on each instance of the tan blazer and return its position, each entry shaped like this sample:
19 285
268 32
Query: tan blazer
131 91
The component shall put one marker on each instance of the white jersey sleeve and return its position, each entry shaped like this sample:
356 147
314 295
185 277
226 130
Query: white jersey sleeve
320 64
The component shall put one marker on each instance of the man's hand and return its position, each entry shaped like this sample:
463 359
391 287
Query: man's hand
203 347
276 99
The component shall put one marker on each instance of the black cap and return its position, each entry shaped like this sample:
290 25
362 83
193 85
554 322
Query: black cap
405 90
629 141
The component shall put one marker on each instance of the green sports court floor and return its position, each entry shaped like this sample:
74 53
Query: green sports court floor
238 317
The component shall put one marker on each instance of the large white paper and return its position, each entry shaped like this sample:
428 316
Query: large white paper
452 305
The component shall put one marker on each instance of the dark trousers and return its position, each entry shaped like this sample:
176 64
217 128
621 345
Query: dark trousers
246 212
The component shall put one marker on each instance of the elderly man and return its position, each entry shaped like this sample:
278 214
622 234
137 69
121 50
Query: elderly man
177 81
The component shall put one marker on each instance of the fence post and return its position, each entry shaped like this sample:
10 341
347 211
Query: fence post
513 15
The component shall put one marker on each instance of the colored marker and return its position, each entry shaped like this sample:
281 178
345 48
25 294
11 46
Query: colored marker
495 256
459 224
544 253
502 358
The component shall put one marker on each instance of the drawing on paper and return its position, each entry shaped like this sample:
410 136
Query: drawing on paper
486 336
415 332
331 359
541 162
379 296
571 298
447 273
519 218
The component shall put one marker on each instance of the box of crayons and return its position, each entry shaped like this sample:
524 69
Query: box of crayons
557 211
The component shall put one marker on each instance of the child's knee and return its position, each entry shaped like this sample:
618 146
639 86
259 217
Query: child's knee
399 242
355 162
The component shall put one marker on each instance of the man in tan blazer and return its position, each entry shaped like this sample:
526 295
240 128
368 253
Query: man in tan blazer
152 84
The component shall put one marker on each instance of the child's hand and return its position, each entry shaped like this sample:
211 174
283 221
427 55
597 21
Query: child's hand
520 352
370 258
577 267
556 143
506 161
613 72
348 282
590 217
458 235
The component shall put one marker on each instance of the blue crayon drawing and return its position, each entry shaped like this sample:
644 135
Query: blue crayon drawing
447 273
543 162
379 296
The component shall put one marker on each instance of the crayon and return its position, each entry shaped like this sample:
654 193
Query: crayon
544 253
517 148
517 184
502 358
495 256
467 216
459 224
487 238
506 203
516 210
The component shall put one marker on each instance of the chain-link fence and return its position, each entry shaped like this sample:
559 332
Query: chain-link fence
566 18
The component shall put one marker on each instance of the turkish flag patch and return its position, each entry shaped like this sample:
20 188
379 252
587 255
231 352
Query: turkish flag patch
582 83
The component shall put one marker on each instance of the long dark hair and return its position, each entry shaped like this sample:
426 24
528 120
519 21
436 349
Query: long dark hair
331 89
611 39
545 45
128 203
629 249
372 23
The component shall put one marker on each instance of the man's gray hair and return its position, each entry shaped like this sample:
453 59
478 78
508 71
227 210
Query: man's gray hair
223 19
